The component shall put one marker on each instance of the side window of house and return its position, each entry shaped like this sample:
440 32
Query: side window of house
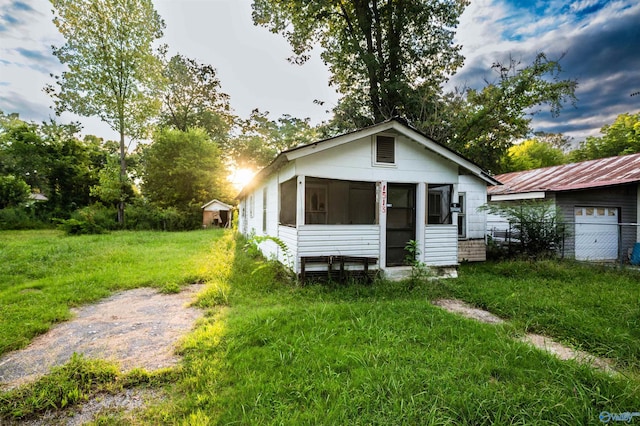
462 217
385 150
438 202
264 210
252 205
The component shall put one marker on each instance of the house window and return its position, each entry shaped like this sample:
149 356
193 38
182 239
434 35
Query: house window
336 202
438 203
385 150
288 202
264 210
462 217
252 205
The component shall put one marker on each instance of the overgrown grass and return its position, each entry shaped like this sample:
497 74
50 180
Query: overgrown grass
269 351
596 308
276 353
44 273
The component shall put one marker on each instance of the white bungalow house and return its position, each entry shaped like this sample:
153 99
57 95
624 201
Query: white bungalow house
357 199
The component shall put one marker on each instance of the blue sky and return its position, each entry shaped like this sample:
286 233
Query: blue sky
599 42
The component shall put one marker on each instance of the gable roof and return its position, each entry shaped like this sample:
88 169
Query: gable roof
395 123
220 203
569 177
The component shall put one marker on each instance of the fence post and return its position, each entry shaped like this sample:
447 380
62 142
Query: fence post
620 250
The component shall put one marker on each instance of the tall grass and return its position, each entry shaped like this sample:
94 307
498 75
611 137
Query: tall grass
596 308
271 352
44 273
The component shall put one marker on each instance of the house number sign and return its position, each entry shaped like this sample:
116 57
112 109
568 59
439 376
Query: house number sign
383 200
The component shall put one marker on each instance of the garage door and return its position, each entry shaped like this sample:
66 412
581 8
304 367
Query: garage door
596 233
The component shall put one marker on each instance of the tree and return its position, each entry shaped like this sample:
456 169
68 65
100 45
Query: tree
378 52
183 169
192 98
532 154
50 159
262 139
482 124
619 138
13 191
112 71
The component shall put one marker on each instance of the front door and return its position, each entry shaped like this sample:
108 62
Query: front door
401 221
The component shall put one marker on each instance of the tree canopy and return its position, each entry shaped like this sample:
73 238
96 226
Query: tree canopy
183 169
378 52
192 98
618 138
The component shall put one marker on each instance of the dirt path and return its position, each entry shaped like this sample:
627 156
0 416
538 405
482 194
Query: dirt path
541 342
135 328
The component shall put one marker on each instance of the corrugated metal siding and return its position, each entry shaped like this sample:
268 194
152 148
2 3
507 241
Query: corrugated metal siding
441 245
624 197
345 240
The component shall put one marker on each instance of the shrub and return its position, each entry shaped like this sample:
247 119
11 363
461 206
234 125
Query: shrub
537 227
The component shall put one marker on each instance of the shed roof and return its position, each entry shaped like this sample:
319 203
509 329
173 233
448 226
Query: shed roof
599 173
395 123
224 206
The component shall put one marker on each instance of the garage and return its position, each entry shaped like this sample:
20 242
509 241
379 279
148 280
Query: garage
596 233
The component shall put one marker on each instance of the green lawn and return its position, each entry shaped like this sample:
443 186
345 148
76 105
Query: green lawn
271 352
596 308
44 273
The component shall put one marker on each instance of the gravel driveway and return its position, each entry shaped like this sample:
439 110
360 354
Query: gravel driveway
135 328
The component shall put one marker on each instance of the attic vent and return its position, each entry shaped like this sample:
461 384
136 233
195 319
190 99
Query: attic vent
385 150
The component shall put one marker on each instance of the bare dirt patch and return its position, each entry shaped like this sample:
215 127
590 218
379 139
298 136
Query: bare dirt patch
541 342
136 329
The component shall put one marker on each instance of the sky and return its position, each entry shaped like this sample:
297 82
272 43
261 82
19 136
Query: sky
598 43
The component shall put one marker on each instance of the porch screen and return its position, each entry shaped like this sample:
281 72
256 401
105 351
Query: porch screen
288 202
438 203
335 202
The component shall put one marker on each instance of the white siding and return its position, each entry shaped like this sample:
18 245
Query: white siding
353 161
441 245
345 240
475 196
289 236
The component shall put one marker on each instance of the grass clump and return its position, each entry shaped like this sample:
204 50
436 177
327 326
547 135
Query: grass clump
64 386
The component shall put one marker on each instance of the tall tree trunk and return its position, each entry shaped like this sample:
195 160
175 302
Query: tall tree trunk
123 176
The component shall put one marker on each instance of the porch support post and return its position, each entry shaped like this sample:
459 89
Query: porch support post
300 201
381 197
421 218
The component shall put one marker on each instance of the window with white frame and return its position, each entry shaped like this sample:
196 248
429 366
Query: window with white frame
385 150
438 202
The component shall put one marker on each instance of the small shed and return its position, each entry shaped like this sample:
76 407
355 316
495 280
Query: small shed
216 213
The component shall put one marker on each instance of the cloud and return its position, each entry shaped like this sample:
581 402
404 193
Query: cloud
14 13
597 42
